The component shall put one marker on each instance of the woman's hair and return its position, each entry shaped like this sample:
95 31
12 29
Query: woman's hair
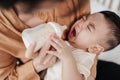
30 4
114 22
7 3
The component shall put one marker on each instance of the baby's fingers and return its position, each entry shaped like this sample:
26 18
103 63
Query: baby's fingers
57 40
55 45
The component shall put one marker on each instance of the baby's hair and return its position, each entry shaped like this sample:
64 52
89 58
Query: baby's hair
114 38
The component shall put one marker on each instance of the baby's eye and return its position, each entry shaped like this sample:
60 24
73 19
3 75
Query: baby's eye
88 27
91 27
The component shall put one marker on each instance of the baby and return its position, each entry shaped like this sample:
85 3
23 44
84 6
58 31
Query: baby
87 38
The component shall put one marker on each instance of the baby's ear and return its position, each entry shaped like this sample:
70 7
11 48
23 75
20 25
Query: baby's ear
97 49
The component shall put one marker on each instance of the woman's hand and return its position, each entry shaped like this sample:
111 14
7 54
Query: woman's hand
41 60
63 51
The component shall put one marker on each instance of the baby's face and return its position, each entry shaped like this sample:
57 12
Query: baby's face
88 31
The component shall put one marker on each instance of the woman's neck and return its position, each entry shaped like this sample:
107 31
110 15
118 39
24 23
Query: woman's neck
28 18
21 14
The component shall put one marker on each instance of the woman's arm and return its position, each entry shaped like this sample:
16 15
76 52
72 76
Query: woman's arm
26 71
10 70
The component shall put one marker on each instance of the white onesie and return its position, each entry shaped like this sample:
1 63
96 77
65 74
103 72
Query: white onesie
84 61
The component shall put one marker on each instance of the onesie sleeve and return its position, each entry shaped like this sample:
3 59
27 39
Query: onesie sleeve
84 61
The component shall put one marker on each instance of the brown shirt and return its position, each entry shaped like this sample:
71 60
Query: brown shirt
11 44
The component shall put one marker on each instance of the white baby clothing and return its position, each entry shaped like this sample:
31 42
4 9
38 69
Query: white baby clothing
84 61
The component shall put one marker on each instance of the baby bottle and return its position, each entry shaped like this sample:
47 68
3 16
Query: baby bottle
41 33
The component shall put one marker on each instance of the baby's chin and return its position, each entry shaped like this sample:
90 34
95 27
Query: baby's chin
72 43
78 46
70 39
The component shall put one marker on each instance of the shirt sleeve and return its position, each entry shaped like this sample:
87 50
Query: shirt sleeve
11 49
11 71
84 61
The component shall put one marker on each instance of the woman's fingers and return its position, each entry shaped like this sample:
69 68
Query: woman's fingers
30 51
42 54
53 53
52 61
48 59
43 50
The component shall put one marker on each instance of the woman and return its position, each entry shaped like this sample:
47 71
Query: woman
19 15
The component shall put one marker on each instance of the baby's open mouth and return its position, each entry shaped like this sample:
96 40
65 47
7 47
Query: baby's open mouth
73 32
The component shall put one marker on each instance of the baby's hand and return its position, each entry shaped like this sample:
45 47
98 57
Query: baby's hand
63 51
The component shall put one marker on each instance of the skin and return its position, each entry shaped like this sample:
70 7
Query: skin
29 18
89 31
